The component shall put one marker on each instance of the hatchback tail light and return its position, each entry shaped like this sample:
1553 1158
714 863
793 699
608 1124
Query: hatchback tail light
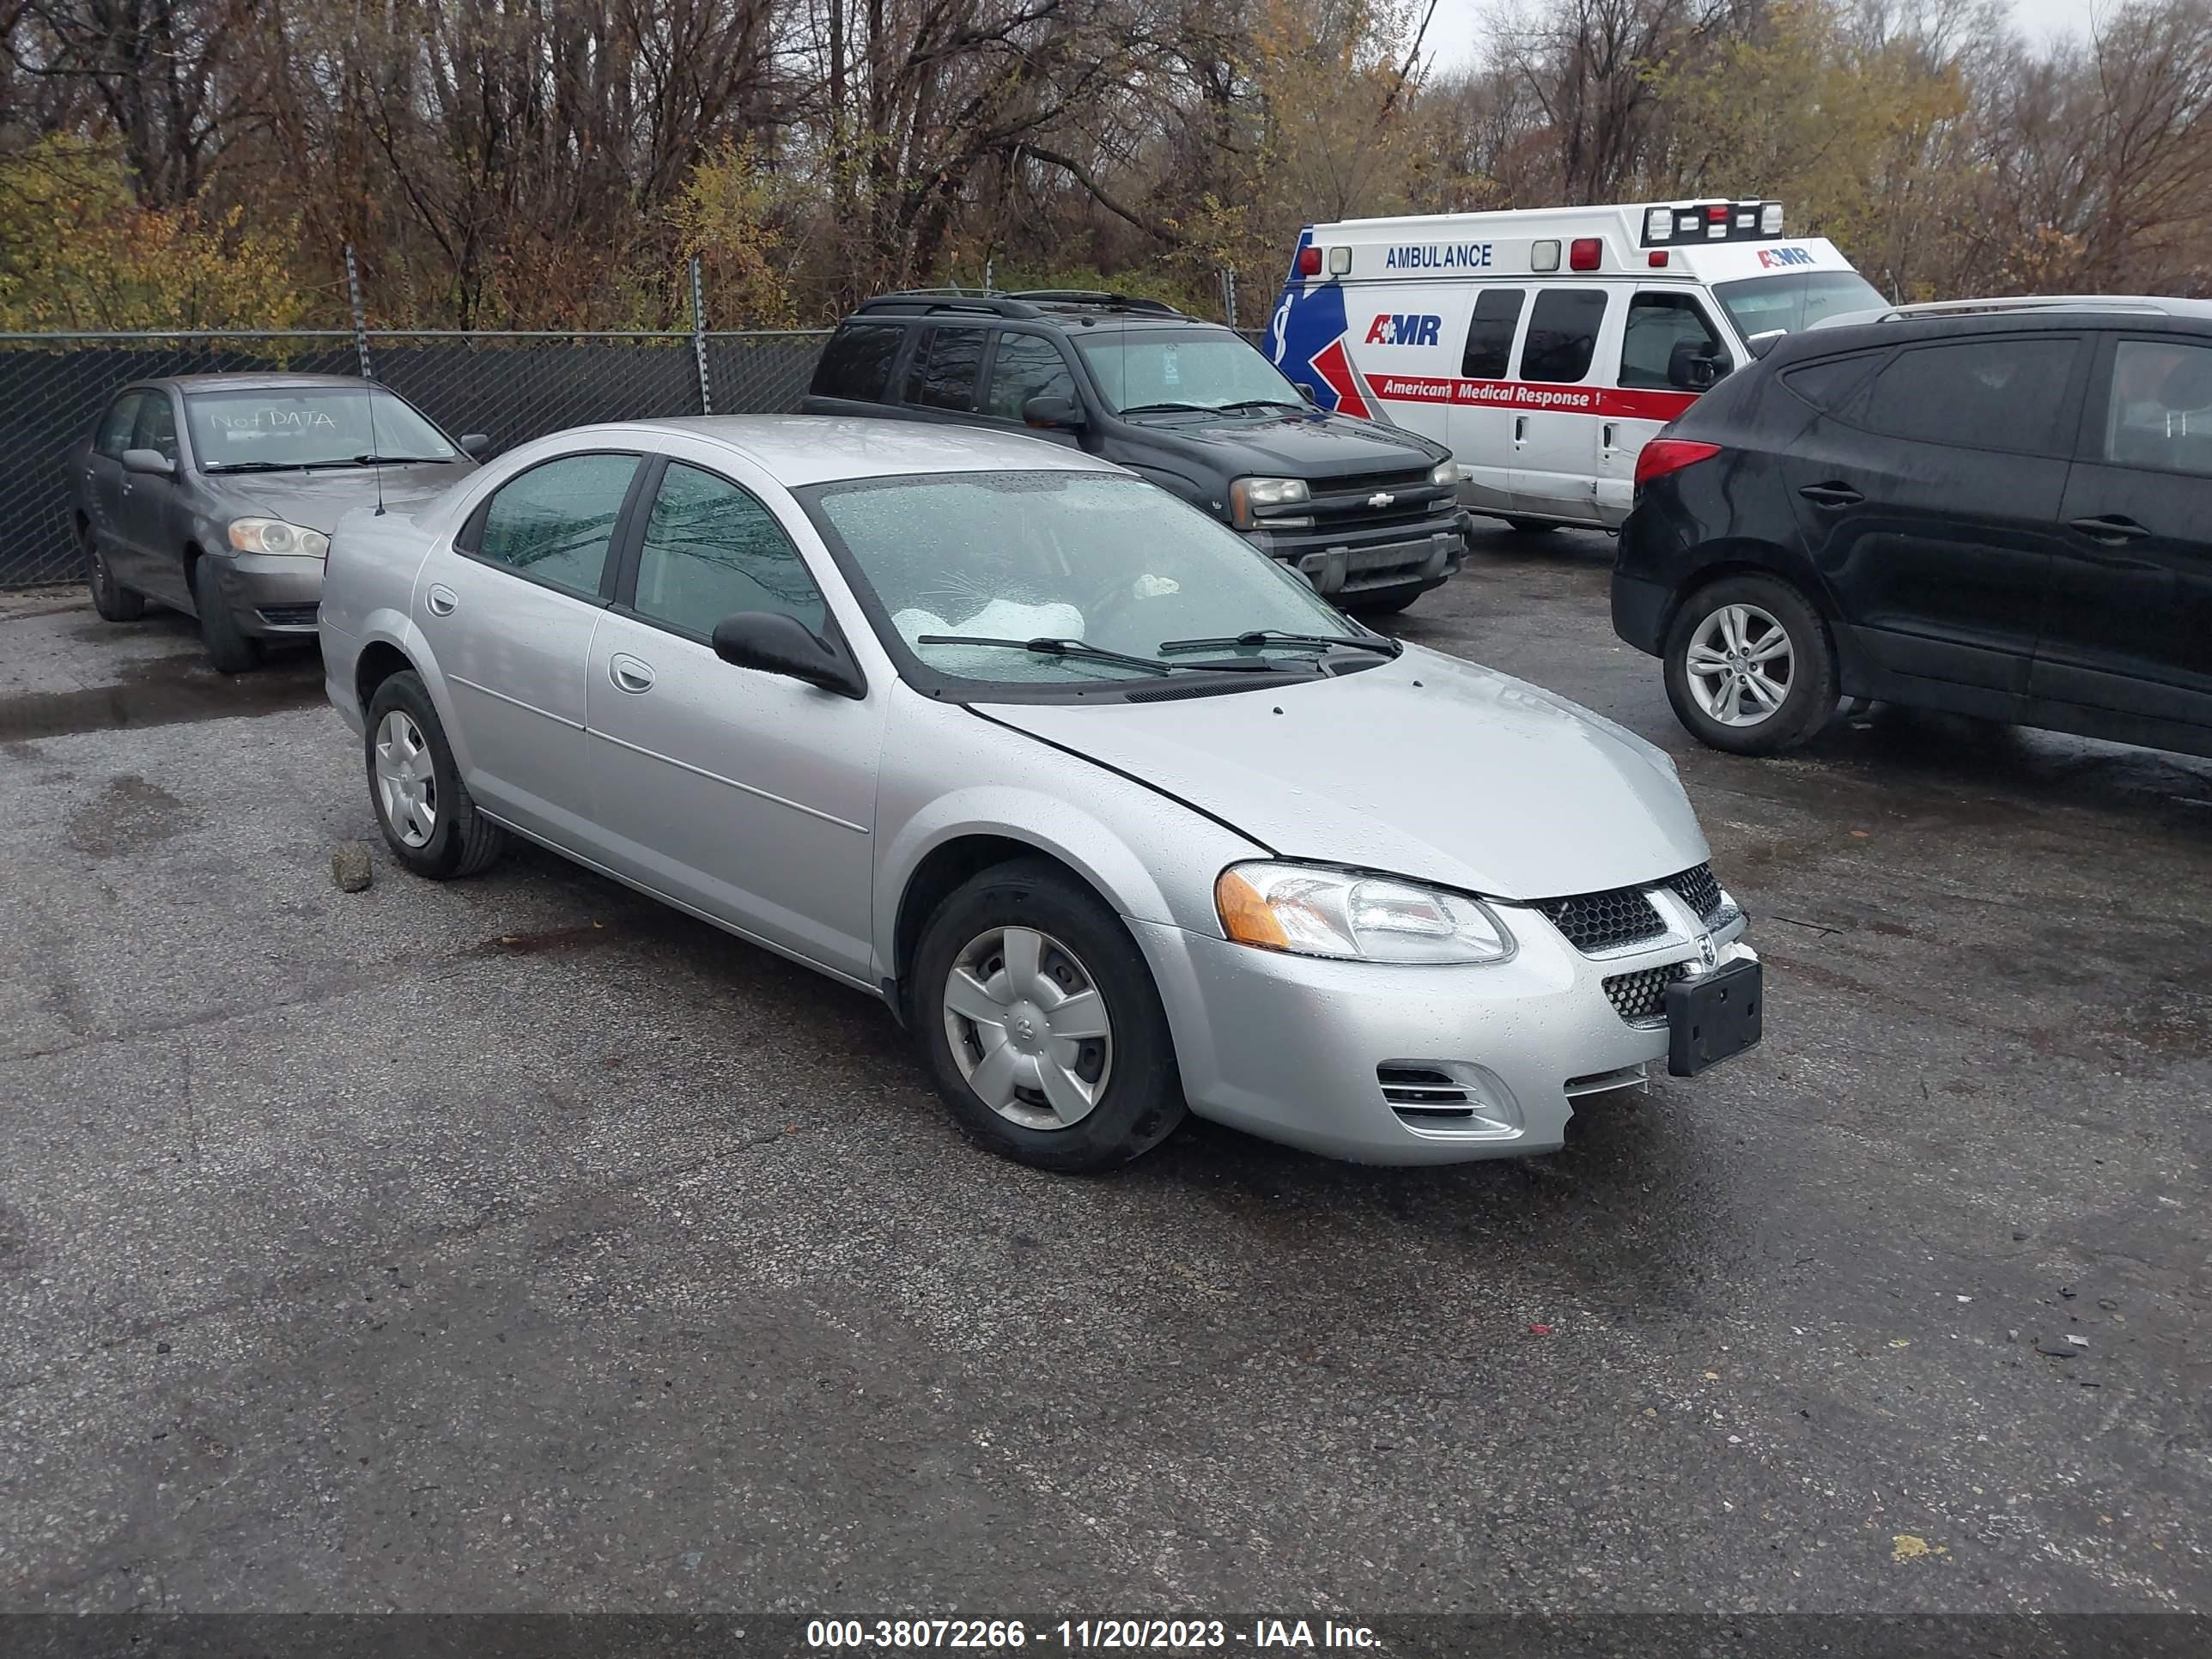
1664 455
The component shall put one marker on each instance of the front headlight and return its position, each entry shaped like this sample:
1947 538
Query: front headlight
275 536
1246 494
1314 911
1447 472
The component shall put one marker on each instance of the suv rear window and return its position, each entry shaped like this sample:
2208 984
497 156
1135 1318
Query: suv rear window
857 362
2008 394
944 370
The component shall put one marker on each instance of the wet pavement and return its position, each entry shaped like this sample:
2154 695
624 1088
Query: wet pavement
521 1244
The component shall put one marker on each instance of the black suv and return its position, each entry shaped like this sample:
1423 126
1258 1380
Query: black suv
1368 512
2002 509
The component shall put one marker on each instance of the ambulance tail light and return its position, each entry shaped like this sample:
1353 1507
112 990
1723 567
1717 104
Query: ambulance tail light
1664 455
1584 252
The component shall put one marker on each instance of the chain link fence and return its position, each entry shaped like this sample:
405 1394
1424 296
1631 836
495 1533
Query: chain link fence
511 386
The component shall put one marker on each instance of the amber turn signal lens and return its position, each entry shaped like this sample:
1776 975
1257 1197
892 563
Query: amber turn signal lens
1245 916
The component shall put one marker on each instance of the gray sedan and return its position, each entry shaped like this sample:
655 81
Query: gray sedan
1116 814
215 494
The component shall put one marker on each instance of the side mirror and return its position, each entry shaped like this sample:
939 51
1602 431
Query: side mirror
1306 392
1054 412
151 462
773 643
475 443
1690 367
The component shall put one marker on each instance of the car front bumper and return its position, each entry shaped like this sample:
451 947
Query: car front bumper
271 595
1479 1062
1342 562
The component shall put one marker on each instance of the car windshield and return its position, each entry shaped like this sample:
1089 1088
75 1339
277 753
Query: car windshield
308 425
1792 303
1166 370
1111 561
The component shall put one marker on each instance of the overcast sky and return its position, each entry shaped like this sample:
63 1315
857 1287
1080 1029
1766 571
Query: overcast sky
1453 34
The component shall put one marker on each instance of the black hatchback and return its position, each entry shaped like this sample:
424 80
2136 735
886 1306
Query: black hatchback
1368 512
2003 510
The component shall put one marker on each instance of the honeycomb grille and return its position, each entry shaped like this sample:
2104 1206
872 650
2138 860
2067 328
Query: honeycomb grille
1599 921
1696 889
1640 998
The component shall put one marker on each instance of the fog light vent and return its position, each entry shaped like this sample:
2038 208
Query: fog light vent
1449 1097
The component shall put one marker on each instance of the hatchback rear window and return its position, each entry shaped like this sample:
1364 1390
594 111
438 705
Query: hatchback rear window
857 362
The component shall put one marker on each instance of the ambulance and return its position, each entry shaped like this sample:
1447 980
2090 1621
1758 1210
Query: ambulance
1545 346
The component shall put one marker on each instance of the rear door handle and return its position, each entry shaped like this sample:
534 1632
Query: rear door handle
1831 495
628 674
441 599
1520 428
2111 530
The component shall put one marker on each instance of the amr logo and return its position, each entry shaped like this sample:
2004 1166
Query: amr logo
1404 331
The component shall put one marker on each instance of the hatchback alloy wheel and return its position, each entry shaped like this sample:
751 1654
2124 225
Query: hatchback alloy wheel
1740 664
1027 1028
406 781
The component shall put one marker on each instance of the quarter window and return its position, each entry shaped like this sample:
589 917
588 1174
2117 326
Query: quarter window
1026 366
944 370
857 361
1562 329
1490 334
1657 324
1833 383
553 523
712 550
117 425
2161 408
2008 394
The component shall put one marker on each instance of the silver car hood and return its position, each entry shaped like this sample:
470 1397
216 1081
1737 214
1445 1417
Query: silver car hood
319 500
1426 766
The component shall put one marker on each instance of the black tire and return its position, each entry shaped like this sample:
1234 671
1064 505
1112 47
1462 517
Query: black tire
1808 699
1532 526
1142 1100
1387 605
462 841
232 650
115 602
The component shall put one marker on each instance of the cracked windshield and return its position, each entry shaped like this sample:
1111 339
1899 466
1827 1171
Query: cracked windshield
1066 557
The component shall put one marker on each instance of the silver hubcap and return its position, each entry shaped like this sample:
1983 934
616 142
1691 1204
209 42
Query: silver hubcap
1740 664
406 787
1027 1028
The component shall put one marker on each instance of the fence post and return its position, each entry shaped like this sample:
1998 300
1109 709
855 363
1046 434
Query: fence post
699 339
360 317
1229 293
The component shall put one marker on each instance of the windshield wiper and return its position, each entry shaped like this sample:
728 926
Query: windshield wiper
1262 402
1258 636
1169 408
253 466
400 460
1083 651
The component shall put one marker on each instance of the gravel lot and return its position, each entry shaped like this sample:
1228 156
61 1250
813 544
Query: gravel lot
520 1244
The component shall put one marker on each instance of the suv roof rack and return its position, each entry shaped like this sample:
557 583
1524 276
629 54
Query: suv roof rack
1088 296
999 302
2127 302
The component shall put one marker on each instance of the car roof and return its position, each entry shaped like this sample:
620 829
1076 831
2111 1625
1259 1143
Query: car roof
252 381
2189 318
1062 309
810 449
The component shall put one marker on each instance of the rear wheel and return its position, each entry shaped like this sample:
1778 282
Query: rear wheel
1749 667
229 647
1533 526
1040 1023
115 602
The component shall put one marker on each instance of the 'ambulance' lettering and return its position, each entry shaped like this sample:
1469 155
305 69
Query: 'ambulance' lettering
1404 331
1454 256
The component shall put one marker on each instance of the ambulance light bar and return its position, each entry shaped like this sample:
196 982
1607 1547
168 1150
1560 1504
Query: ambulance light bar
1711 221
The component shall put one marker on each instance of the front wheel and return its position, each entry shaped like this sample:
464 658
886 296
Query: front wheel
229 647
1532 526
1749 667
1040 1023
429 820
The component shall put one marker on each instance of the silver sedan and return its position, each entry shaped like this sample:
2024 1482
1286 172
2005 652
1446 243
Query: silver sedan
1119 817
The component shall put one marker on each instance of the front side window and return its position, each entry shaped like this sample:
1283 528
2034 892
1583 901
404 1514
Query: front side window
1657 324
1490 334
1563 335
1016 556
1172 371
309 427
712 550
2160 413
944 370
116 424
554 522
1026 366
157 426
857 361
2008 394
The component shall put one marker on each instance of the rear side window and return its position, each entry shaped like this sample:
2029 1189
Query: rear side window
1563 335
1490 334
117 425
2159 414
553 523
1025 366
1657 324
857 362
944 370
2008 394
1831 385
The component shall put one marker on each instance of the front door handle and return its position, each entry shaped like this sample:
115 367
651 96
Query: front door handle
628 674
2111 530
441 599
1610 430
1831 495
